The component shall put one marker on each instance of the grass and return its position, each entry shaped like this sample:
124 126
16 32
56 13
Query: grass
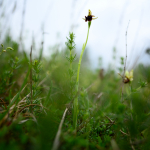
37 102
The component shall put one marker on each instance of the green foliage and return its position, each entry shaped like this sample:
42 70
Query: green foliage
70 42
104 121
71 58
3 49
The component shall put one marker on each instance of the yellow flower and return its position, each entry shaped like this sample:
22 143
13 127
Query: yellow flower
89 17
128 76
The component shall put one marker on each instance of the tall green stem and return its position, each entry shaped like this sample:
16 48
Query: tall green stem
70 61
79 64
71 71
75 104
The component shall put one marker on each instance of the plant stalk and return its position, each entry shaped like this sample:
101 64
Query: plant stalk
75 104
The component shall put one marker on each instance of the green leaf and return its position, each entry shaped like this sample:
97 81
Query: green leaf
10 48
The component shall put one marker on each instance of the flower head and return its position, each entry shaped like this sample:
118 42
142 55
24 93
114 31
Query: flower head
89 17
128 76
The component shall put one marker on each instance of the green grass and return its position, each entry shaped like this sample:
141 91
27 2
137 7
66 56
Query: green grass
104 121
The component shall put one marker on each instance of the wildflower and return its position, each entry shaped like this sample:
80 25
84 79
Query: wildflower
128 76
89 17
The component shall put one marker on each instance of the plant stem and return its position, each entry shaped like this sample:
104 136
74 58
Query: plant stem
31 108
71 70
57 138
70 61
75 104
79 64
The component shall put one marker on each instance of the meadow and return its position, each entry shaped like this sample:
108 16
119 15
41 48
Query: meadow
59 102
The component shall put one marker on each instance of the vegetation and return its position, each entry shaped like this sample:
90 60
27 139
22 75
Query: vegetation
38 108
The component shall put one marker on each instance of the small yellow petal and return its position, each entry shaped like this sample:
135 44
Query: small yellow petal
83 18
129 75
89 13
94 18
